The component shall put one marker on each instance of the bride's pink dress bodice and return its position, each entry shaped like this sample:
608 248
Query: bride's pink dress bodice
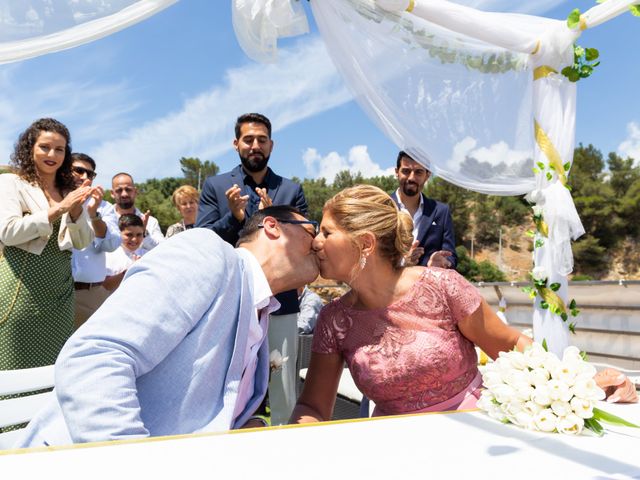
409 355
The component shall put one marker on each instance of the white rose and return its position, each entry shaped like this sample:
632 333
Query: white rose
587 389
491 378
581 407
523 391
532 407
514 377
572 353
571 424
541 396
503 393
512 407
535 355
537 210
559 391
516 360
535 196
276 360
525 420
561 409
539 274
539 376
546 421
565 373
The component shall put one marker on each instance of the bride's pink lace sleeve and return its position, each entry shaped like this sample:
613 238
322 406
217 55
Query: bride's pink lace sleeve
462 297
324 336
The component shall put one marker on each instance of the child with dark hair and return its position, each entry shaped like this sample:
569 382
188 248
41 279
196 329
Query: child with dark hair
119 261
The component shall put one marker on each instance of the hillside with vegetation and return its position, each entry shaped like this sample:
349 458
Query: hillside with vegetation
491 231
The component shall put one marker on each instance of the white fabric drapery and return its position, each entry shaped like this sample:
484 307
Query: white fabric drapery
29 28
477 97
259 24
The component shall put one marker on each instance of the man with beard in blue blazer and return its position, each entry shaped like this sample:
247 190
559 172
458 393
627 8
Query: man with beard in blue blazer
434 238
226 201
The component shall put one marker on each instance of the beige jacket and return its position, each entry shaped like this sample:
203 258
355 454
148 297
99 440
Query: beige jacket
24 221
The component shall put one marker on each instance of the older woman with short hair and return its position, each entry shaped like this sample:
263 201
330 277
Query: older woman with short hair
185 198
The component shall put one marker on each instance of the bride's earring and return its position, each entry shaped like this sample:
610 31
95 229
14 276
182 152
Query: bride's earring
363 262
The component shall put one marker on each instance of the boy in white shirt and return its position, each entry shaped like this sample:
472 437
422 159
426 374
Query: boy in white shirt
119 261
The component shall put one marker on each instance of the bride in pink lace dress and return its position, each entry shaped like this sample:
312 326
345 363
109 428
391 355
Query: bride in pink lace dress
407 334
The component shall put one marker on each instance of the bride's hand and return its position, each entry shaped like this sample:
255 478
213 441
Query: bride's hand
617 386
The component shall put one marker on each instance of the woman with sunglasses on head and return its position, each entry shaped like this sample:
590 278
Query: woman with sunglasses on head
407 334
41 220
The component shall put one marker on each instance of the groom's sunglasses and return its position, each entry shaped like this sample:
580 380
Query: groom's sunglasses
313 223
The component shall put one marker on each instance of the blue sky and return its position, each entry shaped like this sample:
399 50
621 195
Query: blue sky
172 86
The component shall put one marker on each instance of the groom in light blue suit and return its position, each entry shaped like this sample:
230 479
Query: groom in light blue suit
180 346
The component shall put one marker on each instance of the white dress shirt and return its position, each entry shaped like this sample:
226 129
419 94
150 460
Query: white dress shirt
89 264
418 218
264 303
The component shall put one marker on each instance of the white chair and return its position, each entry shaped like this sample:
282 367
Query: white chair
16 411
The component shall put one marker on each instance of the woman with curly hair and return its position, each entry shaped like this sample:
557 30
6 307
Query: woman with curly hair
41 219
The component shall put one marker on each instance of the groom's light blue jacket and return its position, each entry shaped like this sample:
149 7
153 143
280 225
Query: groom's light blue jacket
165 353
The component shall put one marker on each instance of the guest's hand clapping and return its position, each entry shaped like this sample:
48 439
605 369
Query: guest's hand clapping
237 202
265 199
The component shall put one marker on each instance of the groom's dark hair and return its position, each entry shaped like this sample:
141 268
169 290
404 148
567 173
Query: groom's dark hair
251 226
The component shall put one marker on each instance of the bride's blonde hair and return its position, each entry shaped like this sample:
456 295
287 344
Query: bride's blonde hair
365 208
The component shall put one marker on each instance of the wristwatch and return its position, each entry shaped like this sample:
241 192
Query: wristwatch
97 217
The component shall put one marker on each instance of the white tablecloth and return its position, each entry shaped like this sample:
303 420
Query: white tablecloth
453 445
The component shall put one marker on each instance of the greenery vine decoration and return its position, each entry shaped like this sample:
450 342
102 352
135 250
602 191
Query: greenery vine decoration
497 62
585 60
549 299
540 287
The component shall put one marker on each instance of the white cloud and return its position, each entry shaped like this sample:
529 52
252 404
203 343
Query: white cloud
495 154
631 146
303 83
357 161
92 111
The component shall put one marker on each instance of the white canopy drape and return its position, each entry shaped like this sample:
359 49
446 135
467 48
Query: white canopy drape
477 97
29 28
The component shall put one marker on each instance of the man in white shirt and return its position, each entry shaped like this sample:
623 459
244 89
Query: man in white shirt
88 264
195 357
124 193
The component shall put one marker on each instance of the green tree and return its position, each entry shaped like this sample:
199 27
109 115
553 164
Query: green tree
589 257
458 200
196 172
473 271
345 179
387 183
317 192
623 174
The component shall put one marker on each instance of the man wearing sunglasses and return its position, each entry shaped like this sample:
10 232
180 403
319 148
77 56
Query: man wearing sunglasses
227 200
124 193
88 264
196 359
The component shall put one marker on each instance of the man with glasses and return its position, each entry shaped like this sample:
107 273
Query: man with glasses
88 264
124 193
226 201
196 359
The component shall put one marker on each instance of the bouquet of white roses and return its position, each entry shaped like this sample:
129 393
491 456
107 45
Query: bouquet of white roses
536 390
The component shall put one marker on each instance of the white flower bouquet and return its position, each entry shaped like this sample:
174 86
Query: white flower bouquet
536 390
